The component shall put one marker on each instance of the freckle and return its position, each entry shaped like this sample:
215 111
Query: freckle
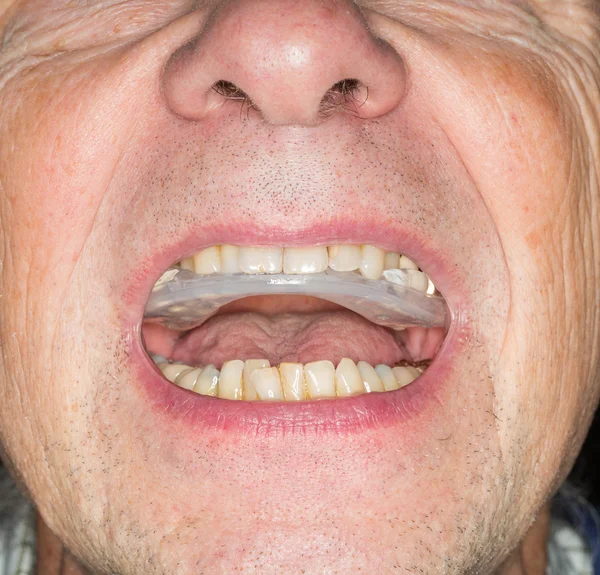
75 407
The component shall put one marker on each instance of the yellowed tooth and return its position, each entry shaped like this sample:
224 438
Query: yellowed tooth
249 366
172 370
391 261
320 378
261 260
371 380
305 260
405 375
230 380
229 259
348 380
292 380
387 377
407 264
372 262
187 379
207 382
208 261
344 258
187 264
267 384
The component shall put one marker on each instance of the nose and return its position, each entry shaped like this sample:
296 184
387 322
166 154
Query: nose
294 61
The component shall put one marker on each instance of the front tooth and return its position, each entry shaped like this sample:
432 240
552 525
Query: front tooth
344 258
348 379
372 262
251 365
230 381
391 261
267 384
387 376
208 261
405 375
292 379
208 381
407 264
187 264
261 260
371 380
305 260
229 259
187 379
172 370
320 378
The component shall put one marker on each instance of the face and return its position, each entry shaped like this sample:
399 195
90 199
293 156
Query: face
135 134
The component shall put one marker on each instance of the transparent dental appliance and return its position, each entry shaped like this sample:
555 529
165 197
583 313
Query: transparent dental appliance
182 300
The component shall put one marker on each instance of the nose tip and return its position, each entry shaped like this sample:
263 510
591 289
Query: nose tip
294 61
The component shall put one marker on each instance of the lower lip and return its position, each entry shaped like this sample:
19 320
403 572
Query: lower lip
417 401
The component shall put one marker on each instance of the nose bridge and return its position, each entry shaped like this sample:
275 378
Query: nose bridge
286 57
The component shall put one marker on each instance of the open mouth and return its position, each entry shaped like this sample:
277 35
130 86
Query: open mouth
295 324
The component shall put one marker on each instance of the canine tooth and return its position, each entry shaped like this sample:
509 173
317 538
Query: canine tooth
419 281
348 380
230 381
305 260
371 265
267 384
344 258
405 375
261 260
251 365
407 264
172 370
391 261
320 378
387 377
187 379
229 259
208 261
371 379
187 264
208 381
292 380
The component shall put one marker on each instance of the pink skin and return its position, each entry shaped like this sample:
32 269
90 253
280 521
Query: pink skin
475 153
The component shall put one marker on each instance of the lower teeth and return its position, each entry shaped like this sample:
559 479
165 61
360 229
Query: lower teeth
256 380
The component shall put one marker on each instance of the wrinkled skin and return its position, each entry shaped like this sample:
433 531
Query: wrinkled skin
483 139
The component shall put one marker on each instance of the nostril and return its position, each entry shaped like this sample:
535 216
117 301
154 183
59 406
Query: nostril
229 91
348 94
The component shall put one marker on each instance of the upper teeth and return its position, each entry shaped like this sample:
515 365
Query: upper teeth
368 260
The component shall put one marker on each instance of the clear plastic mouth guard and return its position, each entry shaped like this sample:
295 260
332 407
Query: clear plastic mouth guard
182 300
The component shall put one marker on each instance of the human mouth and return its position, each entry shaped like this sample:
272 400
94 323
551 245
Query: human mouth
295 348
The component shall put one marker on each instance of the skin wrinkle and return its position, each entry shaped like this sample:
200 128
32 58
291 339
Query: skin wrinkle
165 503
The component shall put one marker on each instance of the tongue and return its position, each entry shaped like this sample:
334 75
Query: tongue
288 337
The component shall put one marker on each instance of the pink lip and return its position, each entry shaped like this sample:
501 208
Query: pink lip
182 407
